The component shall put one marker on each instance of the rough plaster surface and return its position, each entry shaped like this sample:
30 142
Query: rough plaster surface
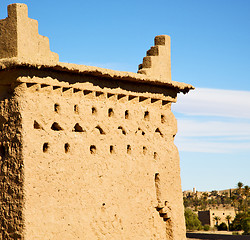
87 153
157 63
19 37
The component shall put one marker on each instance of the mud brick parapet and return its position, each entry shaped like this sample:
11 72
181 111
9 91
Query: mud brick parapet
19 37
157 63
85 152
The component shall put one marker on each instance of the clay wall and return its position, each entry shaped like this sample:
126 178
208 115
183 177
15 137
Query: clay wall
98 162
11 166
86 152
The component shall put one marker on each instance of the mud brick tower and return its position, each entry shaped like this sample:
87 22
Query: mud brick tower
85 152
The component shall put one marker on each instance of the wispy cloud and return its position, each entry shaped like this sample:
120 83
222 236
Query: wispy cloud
213 120
215 102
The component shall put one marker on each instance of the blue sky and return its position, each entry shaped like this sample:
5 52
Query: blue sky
210 47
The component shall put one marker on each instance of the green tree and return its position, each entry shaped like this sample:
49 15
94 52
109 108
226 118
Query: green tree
237 223
228 218
217 219
246 226
192 221
240 185
246 195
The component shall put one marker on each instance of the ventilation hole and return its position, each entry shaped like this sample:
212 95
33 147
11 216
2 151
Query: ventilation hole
140 131
146 115
120 96
110 95
164 102
56 107
111 149
76 109
142 99
123 130
110 112
155 155
99 94
163 119
66 147
92 149
86 92
100 129
78 128
144 150
128 149
56 127
75 90
126 114
157 130
158 187
45 147
56 87
94 111
37 125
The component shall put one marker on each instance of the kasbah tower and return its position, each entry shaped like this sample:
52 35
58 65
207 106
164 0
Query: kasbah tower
86 152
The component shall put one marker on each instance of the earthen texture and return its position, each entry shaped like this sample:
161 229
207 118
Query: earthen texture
11 175
87 153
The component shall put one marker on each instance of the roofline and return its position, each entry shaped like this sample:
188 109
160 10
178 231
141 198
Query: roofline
12 63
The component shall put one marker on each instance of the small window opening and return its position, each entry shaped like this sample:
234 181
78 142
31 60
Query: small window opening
155 155
76 108
146 115
111 149
94 111
66 147
100 129
123 130
163 119
92 149
45 147
56 127
140 131
110 112
37 125
144 150
78 128
56 107
157 130
158 187
126 114
128 149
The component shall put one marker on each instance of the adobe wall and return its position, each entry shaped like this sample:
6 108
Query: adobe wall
11 166
93 176
86 152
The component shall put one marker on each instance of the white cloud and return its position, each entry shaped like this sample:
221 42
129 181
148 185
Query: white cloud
213 120
214 102
196 127
210 146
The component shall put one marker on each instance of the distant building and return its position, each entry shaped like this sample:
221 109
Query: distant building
207 217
